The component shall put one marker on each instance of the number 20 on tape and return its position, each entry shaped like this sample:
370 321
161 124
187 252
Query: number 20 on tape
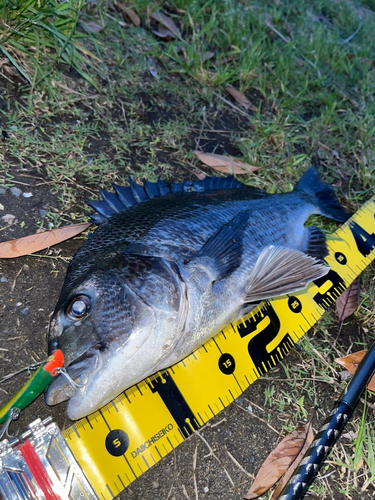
118 443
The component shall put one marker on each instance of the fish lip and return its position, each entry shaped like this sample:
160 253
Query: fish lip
73 381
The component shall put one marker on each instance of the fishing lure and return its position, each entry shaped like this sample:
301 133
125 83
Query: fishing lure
33 388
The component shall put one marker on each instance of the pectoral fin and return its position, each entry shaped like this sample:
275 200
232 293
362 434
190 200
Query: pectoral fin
280 270
222 253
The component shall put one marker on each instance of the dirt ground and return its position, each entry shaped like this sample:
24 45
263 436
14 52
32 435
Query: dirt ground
29 289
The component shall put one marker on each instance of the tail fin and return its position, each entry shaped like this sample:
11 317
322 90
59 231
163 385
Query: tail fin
323 196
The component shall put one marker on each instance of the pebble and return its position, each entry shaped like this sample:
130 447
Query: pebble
3 279
27 195
25 310
42 212
8 218
205 489
251 459
1 206
155 484
17 192
3 191
25 267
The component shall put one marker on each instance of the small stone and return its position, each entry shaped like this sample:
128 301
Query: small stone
251 459
42 212
19 304
205 489
240 400
8 218
17 192
3 191
13 127
25 267
25 310
27 195
3 279
1 207
155 484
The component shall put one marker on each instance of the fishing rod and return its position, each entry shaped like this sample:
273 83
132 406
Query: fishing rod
304 475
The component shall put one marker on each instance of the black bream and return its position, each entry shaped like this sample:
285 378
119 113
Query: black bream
168 267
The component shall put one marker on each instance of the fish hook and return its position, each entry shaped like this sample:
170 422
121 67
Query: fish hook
13 415
72 384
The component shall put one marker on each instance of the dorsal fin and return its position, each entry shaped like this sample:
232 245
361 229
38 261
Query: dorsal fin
124 197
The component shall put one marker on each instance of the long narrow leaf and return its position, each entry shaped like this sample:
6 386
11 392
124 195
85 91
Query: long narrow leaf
15 64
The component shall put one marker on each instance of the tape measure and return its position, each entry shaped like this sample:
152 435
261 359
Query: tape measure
121 441
118 443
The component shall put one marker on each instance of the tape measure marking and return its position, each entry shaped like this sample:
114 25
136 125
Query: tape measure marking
120 442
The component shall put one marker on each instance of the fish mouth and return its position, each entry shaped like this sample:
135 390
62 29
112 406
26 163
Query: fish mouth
73 380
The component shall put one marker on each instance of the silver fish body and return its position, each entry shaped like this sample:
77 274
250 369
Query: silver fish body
163 273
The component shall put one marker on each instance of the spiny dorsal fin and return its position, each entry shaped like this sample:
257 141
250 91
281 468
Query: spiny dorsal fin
124 197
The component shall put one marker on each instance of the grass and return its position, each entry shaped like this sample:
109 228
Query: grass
35 35
307 67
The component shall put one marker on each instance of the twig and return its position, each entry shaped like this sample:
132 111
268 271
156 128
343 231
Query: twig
239 110
272 27
213 454
353 35
185 492
258 418
15 279
2 74
240 466
214 131
194 467
124 115
197 142
9 225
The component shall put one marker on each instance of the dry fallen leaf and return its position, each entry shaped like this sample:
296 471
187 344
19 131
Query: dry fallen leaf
226 164
134 18
309 438
351 363
284 457
240 98
166 22
164 33
91 27
40 241
348 301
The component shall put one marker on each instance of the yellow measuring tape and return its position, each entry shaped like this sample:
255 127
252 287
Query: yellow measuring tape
118 443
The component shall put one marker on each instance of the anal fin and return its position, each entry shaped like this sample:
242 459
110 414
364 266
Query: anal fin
280 270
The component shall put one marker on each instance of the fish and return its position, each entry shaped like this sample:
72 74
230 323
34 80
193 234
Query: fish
169 266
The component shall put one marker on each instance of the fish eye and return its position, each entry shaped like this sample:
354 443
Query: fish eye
79 307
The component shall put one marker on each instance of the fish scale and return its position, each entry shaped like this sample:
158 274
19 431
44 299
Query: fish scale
198 247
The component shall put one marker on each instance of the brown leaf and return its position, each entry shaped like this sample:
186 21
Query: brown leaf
91 27
207 56
240 98
226 164
165 21
40 241
309 438
286 455
134 18
351 363
164 33
348 301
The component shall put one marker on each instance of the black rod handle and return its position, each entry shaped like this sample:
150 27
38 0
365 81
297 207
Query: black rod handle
298 484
